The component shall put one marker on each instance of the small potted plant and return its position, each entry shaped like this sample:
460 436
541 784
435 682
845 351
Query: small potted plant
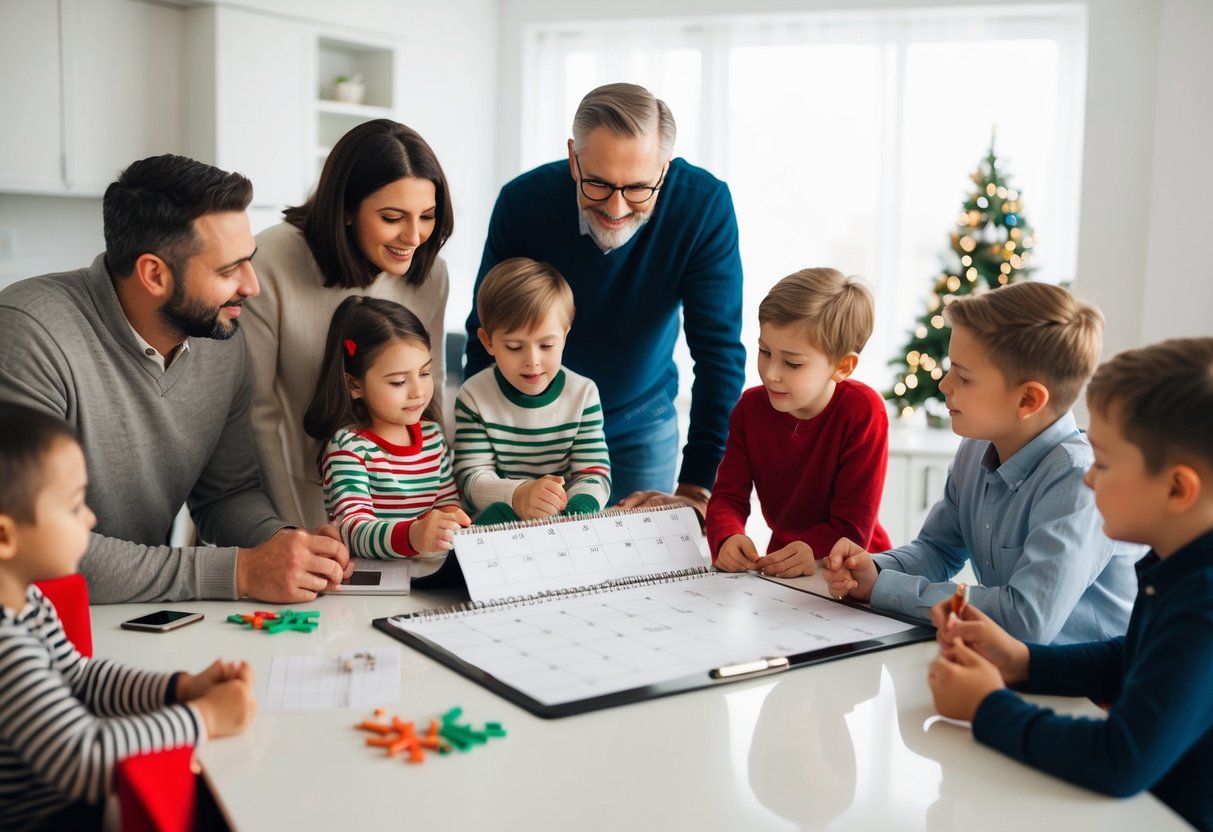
349 88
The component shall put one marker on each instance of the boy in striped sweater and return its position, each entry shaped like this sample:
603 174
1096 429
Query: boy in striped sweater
529 439
65 719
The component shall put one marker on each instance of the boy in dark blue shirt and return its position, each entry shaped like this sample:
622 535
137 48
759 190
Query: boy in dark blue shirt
1153 484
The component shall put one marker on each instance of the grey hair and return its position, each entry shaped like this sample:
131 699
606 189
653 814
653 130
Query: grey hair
625 110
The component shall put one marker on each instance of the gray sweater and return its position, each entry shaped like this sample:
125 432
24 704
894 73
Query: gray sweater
153 442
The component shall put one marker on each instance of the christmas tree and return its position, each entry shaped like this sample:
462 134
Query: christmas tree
989 248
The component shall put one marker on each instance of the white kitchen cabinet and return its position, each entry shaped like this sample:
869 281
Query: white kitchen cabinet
107 91
249 91
31 140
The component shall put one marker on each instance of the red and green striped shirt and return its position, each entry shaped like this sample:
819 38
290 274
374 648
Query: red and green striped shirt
375 489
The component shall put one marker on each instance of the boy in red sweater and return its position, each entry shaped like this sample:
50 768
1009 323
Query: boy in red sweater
811 441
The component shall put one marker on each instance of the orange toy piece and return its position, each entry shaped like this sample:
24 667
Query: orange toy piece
377 727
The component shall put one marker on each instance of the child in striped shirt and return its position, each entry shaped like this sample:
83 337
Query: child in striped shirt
65 719
529 439
386 470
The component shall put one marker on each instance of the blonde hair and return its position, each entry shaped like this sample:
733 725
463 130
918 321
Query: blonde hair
626 110
1162 396
1035 332
517 294
835 311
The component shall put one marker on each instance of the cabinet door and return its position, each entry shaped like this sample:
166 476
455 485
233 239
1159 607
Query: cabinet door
927 476
123 87
31 140
262 93
895 500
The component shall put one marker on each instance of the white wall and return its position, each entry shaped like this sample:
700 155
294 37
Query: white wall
1150 81
1177 294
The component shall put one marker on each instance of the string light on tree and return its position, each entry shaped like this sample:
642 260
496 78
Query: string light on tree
990 247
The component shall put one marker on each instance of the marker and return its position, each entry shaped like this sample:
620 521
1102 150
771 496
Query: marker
732 671
960 600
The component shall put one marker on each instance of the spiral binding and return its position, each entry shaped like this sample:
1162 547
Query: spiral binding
556 519
514 601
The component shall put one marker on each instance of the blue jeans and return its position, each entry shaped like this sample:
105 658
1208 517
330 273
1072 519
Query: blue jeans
644 457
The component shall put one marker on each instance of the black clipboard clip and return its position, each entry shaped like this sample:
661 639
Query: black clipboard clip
737 671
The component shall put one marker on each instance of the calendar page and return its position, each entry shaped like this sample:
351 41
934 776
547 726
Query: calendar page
520 559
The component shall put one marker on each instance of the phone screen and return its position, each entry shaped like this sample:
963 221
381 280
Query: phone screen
160 618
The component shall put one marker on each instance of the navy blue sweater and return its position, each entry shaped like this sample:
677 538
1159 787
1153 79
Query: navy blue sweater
628 300
1159 679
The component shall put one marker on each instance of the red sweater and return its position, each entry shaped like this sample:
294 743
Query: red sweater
818 479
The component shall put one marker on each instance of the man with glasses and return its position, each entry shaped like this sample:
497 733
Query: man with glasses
650 238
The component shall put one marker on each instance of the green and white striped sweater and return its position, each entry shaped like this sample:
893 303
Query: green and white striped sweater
504 438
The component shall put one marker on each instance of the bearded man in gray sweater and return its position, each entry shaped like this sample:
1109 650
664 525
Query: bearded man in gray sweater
142 353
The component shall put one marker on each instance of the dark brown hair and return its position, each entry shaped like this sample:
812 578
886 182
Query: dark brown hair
1161 396
364 160
152 206
371 324
26 437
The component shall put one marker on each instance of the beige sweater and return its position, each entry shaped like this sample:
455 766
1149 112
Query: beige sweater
285 327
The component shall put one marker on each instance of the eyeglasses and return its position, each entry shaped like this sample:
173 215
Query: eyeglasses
597 191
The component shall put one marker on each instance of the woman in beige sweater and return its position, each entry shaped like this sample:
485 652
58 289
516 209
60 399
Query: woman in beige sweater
374 226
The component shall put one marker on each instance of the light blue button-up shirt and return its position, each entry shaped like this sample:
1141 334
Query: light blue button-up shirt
1031 530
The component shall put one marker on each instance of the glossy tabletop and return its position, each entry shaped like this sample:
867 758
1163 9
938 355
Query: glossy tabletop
852 744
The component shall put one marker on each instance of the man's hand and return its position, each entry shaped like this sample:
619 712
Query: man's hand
684 495
435 530
540 498
849 571
292 566
791 561
980 634
960 681
737 554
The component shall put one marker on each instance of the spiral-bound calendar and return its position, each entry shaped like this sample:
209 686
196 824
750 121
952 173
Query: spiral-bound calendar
593 611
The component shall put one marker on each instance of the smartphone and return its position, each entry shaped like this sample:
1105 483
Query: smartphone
162 620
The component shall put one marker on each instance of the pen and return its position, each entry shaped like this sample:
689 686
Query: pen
731 671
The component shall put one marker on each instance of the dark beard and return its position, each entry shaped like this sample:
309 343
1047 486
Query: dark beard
193 320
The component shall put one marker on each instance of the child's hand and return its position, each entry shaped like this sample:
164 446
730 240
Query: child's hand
193 686
849 570
737 554
960 681
540 498
228 707
791 561
978 632
434 531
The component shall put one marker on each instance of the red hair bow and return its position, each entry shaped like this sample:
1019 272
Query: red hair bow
350 347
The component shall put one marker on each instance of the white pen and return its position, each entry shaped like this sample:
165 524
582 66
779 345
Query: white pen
730 671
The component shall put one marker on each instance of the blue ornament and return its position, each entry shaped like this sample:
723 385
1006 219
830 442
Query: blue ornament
1011 220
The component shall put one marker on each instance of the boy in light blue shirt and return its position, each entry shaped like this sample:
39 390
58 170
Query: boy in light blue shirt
1014 505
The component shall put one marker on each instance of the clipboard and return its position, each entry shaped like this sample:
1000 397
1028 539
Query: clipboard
480 652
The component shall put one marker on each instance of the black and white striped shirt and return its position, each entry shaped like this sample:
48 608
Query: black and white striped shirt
65 720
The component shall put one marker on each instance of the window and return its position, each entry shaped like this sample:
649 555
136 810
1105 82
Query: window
847 139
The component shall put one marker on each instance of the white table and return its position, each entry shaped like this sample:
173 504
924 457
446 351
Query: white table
852 744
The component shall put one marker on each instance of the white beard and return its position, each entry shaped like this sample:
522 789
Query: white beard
610 239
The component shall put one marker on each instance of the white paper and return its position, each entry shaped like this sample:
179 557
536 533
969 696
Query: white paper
316 683
566 649
577 552
386 577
